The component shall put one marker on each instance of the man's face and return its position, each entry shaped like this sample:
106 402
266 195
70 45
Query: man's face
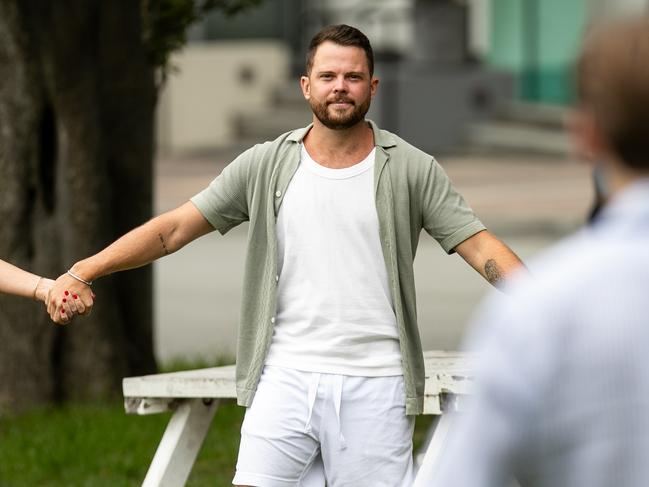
339 87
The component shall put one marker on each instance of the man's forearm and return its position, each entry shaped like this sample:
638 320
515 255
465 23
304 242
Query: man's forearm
138 247
490 257
71 293
163 235
158 237
497 268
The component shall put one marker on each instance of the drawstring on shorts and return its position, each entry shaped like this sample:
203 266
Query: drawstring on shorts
338 396
314 383
337 393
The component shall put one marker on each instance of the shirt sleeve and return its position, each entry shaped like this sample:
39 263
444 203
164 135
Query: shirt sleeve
224 203
446 216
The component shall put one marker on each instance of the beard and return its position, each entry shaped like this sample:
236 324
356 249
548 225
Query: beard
338 119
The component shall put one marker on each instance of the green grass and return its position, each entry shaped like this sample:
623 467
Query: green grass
96 446
99 445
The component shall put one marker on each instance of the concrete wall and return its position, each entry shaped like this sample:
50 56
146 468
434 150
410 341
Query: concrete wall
388 23
213 83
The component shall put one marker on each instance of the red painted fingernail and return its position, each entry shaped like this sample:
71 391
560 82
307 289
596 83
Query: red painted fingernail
75 296
66 293
62 311
65 300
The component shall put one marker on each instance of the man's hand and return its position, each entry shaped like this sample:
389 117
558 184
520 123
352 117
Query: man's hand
69 297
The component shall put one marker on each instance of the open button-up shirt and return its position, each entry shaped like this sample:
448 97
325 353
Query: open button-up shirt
412 192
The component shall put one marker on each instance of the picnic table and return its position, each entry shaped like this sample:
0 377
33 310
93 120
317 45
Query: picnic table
194 395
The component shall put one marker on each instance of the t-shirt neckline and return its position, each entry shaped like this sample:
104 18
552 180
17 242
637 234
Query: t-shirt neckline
344 173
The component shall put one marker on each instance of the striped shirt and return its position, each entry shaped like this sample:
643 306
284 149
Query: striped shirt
562 397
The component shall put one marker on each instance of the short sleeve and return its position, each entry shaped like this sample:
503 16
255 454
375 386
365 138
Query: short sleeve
446 216
224 203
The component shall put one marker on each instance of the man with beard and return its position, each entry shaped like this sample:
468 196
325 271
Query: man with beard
329 360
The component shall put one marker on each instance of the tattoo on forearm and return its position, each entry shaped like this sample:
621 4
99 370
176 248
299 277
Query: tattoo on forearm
162 241
493 272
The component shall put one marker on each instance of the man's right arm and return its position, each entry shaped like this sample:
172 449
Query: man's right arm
163 235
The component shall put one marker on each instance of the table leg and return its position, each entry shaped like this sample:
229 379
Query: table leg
180 443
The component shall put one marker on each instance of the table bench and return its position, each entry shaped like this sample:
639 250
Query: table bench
194 396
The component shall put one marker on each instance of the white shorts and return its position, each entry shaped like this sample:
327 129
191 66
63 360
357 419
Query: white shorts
304 428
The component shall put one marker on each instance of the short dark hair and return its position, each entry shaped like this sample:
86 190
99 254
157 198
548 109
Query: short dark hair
613 83
344 35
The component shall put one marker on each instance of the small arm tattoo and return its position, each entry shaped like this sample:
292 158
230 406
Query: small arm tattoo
493 272
164 246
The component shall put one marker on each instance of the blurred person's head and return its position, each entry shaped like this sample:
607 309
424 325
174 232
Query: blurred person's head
612 119
339 82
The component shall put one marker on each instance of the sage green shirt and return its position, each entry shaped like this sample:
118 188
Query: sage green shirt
412 193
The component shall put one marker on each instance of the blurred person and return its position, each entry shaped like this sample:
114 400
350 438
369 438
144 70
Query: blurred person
329 360
562 391
14 280
599 192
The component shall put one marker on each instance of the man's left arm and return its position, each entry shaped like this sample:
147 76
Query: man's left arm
490 257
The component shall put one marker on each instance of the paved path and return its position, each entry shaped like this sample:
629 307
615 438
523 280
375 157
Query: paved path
529 202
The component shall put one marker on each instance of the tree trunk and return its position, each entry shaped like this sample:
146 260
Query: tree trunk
77 99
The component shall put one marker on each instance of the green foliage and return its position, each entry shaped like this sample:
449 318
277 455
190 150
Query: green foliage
165 23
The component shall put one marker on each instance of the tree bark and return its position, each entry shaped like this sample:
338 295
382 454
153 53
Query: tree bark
77 100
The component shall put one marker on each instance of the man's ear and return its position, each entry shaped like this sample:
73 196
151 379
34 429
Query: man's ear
374 85
305 84
587 138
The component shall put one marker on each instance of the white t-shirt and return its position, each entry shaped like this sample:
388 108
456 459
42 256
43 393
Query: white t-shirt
334 308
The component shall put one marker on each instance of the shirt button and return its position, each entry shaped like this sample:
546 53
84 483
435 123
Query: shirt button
278 194
272 320
276 278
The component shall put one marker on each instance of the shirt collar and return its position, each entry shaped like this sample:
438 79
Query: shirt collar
382 138
631 203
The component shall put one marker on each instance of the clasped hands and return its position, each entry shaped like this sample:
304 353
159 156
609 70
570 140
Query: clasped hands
68 297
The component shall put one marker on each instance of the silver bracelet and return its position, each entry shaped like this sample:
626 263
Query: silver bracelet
87 283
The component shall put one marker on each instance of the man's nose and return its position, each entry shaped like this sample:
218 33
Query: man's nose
340 85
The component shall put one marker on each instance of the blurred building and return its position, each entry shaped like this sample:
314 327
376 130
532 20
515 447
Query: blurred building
452 72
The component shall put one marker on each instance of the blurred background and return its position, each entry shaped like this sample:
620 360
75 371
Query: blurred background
98 98
483 85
